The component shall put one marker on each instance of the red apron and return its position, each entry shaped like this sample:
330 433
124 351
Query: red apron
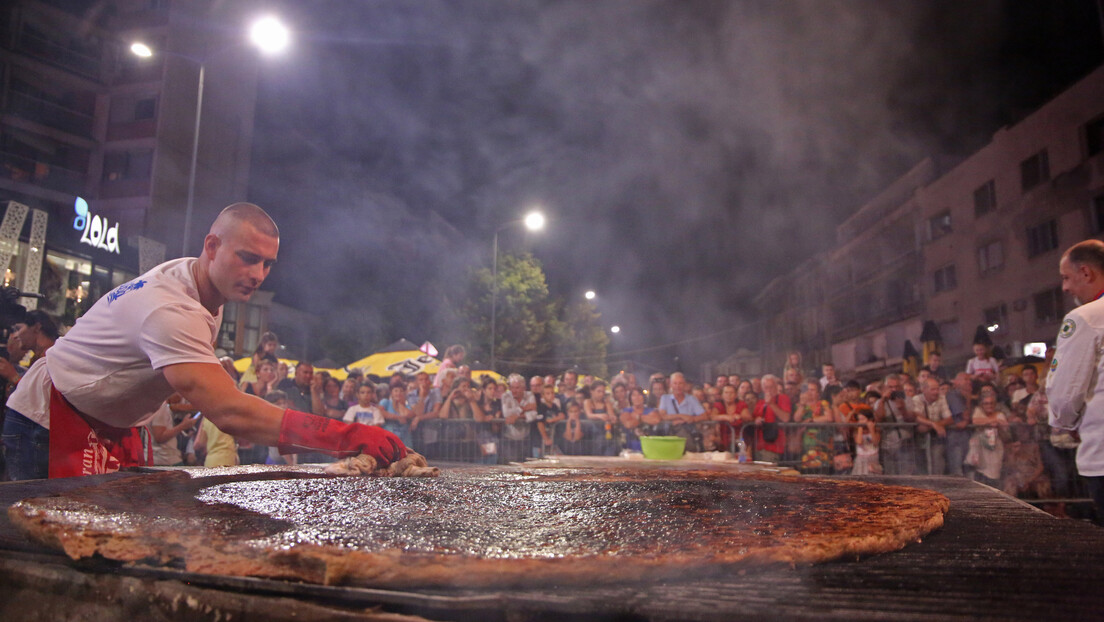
80 445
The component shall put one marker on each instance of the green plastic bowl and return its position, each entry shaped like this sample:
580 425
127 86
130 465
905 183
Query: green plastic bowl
663 447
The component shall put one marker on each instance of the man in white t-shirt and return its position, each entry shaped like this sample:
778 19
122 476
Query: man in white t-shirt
76 411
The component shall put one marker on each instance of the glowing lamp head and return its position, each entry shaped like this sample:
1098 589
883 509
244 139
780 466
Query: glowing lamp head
534 221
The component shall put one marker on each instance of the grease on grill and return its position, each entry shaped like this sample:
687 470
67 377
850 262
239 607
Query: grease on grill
543 516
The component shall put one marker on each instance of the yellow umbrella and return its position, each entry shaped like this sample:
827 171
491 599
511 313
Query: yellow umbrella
477 376
408 362
243 364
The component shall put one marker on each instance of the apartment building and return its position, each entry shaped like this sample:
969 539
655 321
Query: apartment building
96 142
995 226
962 244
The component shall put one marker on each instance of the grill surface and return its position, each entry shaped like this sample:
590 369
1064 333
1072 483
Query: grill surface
995 558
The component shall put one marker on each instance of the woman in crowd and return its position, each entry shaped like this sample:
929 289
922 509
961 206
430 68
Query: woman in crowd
349 391
396 414
454 357
816 439
657 389
637 420
326 400
733 413
986 453
601 414
620 396
983 366
599 407
866 441
266 378
457 440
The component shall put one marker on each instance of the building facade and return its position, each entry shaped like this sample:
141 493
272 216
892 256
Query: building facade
97 142
963 244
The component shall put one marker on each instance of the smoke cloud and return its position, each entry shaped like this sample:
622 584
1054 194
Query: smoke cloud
686 152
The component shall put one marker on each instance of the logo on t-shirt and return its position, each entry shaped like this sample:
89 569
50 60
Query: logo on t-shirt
124 288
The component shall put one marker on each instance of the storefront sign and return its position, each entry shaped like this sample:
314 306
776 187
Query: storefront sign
96 231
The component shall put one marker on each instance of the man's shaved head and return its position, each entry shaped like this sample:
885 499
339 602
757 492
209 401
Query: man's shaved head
237 255
233 216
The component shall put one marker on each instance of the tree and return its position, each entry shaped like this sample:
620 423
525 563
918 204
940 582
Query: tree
526 322
535 332
582 341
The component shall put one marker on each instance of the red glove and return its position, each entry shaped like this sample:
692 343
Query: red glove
301 431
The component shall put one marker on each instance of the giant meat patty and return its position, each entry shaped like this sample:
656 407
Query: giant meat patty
479 527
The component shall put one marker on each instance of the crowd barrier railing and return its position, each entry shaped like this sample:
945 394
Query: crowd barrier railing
809 447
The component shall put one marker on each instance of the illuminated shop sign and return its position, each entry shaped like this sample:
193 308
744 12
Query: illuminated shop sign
95 231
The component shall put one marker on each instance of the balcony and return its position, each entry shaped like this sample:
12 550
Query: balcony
83 62
39 173
49 114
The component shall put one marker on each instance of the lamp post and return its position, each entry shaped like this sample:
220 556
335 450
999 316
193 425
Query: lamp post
533 221
270 36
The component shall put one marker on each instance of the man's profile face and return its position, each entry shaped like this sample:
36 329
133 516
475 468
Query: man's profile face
1077 279
241 259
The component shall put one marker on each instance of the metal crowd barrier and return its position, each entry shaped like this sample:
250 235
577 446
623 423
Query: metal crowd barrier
496 442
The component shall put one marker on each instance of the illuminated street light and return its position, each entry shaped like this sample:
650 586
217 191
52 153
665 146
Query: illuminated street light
615 329
141 49
589 295
270 36
533 221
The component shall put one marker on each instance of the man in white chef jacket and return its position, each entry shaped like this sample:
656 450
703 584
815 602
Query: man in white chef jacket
1075 384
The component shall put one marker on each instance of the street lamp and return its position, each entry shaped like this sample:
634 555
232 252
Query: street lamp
533 221
589 295
270 36
615 329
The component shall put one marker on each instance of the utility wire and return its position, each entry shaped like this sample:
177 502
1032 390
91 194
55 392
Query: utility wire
537 362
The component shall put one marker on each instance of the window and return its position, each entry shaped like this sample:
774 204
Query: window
144 108
1034 170
945 279
119 165
126 109
252 334
1097 209
1042 238
996 318
228 335
1094 136
939 225
1049 307
985 198
991 257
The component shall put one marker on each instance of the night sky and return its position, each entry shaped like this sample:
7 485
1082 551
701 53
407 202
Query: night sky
686 152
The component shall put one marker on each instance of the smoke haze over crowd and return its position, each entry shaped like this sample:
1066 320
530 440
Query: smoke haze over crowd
685 152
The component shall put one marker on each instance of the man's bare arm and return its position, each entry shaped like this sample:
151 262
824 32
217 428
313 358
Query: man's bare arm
211 391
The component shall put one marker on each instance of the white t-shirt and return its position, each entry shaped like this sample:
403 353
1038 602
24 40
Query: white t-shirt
109 364
167 453
371 415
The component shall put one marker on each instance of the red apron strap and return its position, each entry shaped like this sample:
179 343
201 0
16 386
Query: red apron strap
80 445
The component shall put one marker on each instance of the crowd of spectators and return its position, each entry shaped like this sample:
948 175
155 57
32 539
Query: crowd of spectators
983 422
